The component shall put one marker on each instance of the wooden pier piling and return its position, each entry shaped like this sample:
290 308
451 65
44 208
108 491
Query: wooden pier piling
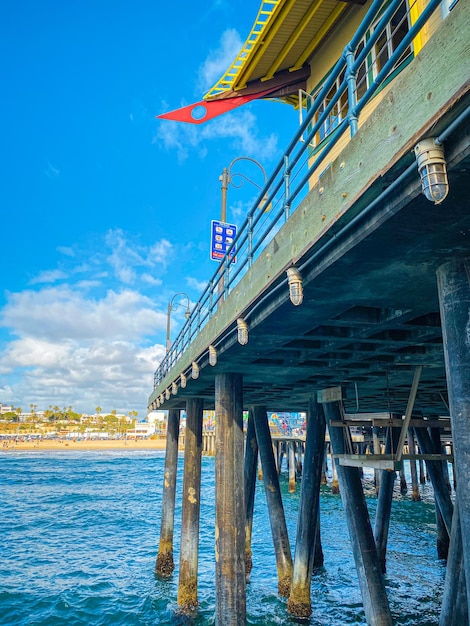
299 603
230 516
251 462
165 564
384 501
274 501
454 300
436 473
291 462
369 572
187 585
415 495
334 474
454 608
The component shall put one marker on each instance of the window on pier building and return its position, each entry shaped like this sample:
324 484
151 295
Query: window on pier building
387 43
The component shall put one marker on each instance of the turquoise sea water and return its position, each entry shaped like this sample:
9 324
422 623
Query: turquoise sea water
79 536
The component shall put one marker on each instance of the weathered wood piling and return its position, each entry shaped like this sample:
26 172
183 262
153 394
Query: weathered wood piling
454 300
189 549
230 515
165 564
384 501
274 501
308 521
251 462
370 576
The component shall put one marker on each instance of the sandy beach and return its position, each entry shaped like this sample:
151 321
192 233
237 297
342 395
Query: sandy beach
71 445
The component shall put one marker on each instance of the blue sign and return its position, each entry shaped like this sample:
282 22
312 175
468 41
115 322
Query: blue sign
222 237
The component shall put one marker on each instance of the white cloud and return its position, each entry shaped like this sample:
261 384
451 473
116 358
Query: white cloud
115 375
96 337
63 313
240 128
66 251
84 352
151 280
218 61
197 285
48 276
51 171
127 256
86 285
160 252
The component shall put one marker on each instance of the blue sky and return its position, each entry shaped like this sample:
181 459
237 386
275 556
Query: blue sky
106 210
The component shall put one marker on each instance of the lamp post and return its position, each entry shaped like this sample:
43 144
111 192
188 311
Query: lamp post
227 177
172 306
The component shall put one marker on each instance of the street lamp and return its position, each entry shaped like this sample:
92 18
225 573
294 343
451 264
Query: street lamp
172 306
227 177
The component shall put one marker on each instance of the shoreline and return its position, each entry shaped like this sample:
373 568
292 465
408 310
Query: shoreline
85 445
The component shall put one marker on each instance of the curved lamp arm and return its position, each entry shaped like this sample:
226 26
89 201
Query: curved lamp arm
172 306
227 177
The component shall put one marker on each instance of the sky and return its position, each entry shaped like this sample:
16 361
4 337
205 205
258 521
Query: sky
105 209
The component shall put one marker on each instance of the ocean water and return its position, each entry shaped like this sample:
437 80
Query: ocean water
79 538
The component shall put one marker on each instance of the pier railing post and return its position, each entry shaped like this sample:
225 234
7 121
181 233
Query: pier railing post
230 577
187 586
299 603
165 565
274 501
370 576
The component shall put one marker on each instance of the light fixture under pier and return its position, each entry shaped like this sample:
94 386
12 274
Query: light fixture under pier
212 356
296 291
242 331
432 169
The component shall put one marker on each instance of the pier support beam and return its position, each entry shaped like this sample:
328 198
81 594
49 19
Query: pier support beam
454 300
274 501
187 585
165 565
299 603
370 576
230 583
251 462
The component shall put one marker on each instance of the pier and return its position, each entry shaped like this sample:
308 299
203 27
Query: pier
349 301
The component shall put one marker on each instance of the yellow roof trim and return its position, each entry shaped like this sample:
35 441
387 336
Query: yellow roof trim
275 24
267 9
319 36
295 35
284 37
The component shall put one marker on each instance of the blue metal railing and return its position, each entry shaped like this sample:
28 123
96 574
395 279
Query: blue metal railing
288 183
